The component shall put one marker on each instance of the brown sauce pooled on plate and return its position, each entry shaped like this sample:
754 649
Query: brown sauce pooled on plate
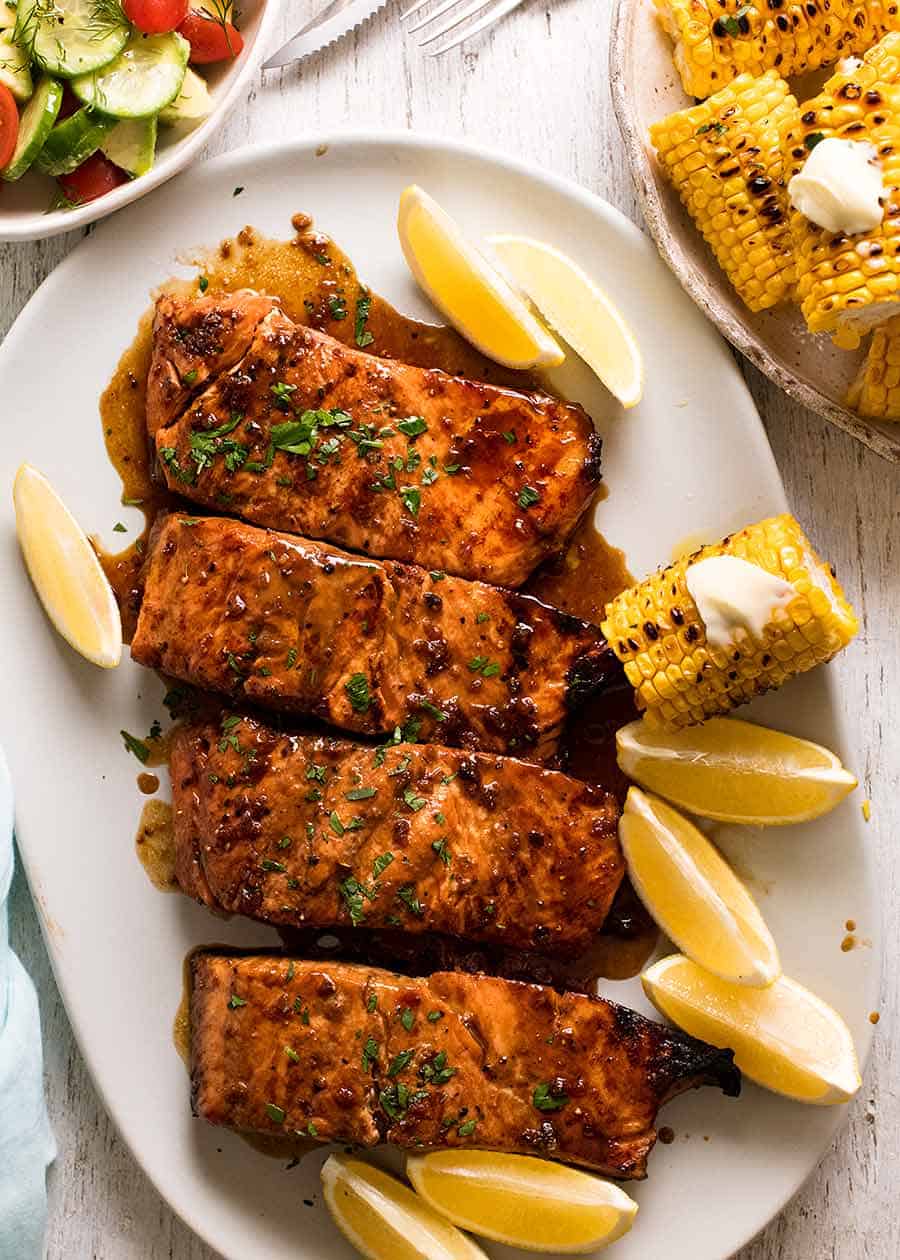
148 783
155 845
317 284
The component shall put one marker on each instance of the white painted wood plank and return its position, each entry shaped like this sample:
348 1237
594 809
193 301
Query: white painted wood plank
536 86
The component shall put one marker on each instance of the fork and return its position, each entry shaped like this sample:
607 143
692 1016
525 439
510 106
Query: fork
458 12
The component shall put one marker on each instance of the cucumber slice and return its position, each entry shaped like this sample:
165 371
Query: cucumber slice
72 141
145 77
14 71
70 37
132 144
191 104
37 118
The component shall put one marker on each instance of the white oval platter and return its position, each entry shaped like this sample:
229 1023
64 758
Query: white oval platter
692 458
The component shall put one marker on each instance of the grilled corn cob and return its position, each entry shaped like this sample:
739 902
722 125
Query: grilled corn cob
716 40
848 284
724 158
876 390
656 630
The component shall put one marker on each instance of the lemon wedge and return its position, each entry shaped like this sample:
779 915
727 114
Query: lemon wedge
734 771
693 894
572 304
467 290
783 1037
66 573
384 1219
523 1201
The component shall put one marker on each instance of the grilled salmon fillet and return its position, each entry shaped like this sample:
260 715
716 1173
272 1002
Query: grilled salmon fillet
364 645
354 1054
286 427
308 831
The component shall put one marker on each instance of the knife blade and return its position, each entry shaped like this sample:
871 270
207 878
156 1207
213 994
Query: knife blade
336 19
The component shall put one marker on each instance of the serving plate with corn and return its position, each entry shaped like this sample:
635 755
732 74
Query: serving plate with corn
721 105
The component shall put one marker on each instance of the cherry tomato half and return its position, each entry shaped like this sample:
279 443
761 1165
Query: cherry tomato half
210 39
155 17
9 124
92 179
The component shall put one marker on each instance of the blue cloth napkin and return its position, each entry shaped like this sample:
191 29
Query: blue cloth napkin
26 1142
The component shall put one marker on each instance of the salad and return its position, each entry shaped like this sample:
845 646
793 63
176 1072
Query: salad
85 85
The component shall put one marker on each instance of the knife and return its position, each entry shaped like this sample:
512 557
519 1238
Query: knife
336 19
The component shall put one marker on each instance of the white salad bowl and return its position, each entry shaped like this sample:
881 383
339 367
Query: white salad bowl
24 205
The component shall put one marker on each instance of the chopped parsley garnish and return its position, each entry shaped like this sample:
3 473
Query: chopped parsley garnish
274 1112
436 713
361 334
510 437
311 1129
206 444
452 469
203 284
372 1002
360 794
731 24
441 849
437 1072
434 1016
411 498
544 1100
357 689
482 617
436 575
369 1054
407 895
353 893
381 863
814 138
412 427
335 823
234 1002
136 746
408 733
528 496
269 864
717 127
292 1054
407 1018
119 528
337 306
237 192
291 659
317 772
397 1099
190 377
285 842
281 392
467 1128
414 802
399 1062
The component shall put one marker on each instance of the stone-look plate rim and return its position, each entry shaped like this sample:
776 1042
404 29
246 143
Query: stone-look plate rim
645 87
692 459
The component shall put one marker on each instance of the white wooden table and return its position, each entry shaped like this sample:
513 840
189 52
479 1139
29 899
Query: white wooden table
537 85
